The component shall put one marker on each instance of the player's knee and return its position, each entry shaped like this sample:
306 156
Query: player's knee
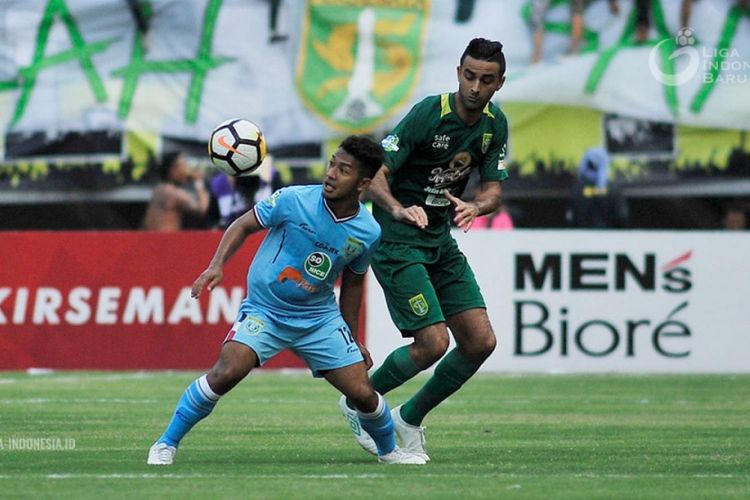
489 345
222 377
480 348
364 398
428 349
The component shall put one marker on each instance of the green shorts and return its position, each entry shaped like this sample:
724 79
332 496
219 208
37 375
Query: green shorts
425 285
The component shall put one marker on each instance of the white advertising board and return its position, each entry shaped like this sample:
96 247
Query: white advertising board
605 301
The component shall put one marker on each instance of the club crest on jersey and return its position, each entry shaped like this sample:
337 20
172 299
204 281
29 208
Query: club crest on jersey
419 305
353 248
358 61
254 325
318 265
486 140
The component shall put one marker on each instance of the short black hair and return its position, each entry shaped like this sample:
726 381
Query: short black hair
485 50
368 153
167 161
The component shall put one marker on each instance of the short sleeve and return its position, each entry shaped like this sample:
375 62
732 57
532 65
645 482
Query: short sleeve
493 168
404 139
272 211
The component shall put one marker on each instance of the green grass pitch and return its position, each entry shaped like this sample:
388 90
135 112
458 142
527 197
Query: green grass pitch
281 436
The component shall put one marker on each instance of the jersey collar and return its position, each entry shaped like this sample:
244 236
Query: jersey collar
446 106
333 215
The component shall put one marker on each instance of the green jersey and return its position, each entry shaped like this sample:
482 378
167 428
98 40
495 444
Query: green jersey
432 150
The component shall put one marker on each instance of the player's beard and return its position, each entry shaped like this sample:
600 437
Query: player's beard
472 105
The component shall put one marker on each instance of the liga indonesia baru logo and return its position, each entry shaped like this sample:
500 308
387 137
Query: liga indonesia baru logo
685 52
720 65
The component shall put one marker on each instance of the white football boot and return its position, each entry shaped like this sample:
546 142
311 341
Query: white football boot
411 437
352 420
400 457
161 454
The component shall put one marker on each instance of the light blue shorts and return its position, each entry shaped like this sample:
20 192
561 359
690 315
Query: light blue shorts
324 347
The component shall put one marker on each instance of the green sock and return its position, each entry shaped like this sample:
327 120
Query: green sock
450 374
397 368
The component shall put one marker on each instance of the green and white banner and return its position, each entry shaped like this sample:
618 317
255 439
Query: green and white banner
313 70
358 62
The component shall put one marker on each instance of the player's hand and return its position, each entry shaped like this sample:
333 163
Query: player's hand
414 215
197 174
366 355
465 213
209 278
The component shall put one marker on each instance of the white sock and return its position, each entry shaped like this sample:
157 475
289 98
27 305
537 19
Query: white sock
378 411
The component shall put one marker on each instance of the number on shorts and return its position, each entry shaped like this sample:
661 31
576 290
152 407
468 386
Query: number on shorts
347 334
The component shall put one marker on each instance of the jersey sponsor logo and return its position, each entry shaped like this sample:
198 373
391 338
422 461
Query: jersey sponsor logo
306 228
291 274
458 168
436 200
390 143
486 140
353 248
436 197
318 265
325 246
441 141
358 60
501 161
419 305
254 325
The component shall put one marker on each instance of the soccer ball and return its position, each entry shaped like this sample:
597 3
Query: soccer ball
685 37
237 147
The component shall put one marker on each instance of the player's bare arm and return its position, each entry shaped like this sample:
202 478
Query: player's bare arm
233 238
486 201
350 301
379 192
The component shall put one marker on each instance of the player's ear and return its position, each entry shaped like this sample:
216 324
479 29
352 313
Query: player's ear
502 82
364 184
458 72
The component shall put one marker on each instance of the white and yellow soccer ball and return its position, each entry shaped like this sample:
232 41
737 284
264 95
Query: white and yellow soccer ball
237 147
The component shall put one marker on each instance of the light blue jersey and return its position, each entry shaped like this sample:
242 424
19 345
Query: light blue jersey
304 252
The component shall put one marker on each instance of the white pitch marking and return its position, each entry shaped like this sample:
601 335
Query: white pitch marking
373 475
194 476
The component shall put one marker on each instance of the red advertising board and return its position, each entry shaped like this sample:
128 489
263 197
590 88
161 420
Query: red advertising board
116 300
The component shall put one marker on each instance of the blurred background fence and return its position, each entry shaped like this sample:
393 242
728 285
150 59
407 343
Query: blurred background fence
94 92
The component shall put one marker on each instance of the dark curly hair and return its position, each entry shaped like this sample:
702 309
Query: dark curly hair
485 50
368 153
